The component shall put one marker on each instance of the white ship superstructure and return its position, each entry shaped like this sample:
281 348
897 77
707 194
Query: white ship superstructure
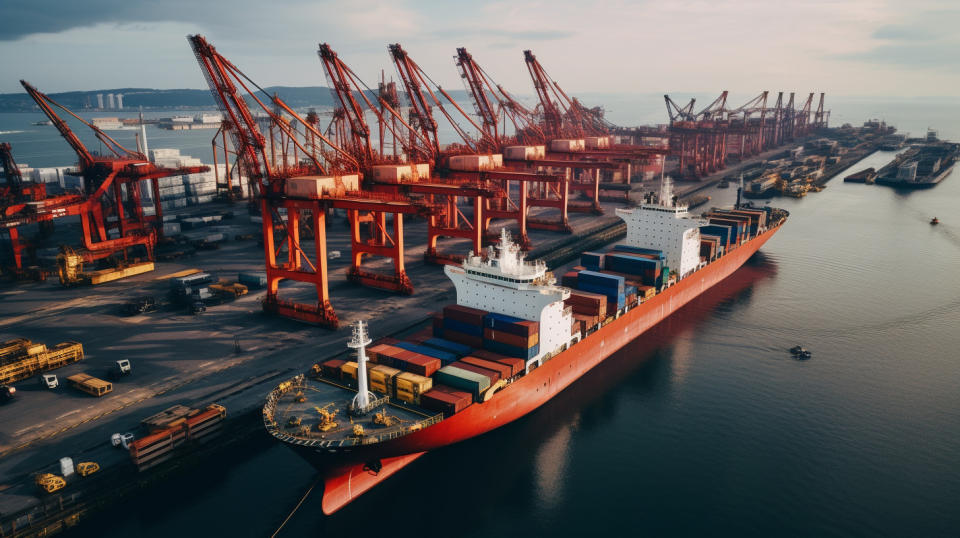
668 227
504 283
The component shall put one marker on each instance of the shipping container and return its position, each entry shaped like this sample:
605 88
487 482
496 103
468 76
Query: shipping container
460 378
419 364
511 324
592 260
448 346
428 351
516 364
349 370
331 368
640 250
511 351
504 371
446 400
473 341
586 303
409 387
511 339
463 327
597 279
465 314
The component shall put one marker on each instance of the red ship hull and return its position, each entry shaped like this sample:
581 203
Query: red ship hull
532 390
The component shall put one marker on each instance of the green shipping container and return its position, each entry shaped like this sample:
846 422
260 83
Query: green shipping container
462 379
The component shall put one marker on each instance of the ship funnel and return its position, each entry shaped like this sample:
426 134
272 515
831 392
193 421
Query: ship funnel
360 341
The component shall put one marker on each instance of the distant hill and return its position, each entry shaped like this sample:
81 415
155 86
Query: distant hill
152 99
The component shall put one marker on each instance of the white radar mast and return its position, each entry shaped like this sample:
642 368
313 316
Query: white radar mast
360 341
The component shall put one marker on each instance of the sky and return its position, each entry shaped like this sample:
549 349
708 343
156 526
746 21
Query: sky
845 48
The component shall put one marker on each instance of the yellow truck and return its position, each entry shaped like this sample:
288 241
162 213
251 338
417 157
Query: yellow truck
89 384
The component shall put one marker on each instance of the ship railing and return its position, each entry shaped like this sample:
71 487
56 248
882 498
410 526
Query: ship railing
309 440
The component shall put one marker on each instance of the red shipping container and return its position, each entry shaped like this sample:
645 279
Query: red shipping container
462 338
578 268
445 400
420 336
516 364
523 342
331 368
422 365
465 314
504 370
493 375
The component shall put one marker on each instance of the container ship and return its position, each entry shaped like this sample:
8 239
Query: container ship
514 339
922 167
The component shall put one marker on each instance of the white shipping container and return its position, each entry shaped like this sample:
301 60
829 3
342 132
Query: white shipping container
393 173
471 163
597 142
520 153
318 186
567 145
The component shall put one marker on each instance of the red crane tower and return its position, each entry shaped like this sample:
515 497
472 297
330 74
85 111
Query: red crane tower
289 176
111 201
388 173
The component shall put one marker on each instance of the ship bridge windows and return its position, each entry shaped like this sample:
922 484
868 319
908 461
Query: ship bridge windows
499 277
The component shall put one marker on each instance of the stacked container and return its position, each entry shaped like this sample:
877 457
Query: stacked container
462 324
516 364
592 260
410 387
511 336
444 399
648 270
463 379
612 286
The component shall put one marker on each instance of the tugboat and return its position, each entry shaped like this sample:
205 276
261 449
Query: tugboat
934 221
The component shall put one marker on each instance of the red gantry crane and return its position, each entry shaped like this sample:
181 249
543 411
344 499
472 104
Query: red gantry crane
111 208
304 182
418 140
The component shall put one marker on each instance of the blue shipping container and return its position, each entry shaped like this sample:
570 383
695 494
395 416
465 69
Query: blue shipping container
634 265
459 326
493 317
723 232
640 250
600 279
611 295
592 260
428 351
511 351
446 345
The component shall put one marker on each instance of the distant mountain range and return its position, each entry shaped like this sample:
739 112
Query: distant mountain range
151 99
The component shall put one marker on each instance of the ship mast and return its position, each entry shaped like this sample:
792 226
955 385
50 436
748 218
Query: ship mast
360 341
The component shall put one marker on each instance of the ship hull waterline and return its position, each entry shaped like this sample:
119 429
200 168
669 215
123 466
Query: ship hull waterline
348 474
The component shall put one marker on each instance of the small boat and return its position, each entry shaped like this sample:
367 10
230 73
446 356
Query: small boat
934 221
800 353
796 350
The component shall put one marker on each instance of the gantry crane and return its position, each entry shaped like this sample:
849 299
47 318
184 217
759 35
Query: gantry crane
304 182
389 173
111 202
576 133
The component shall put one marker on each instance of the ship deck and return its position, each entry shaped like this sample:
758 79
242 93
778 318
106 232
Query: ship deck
294 414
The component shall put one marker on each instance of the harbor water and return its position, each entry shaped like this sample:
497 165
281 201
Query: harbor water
705 425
